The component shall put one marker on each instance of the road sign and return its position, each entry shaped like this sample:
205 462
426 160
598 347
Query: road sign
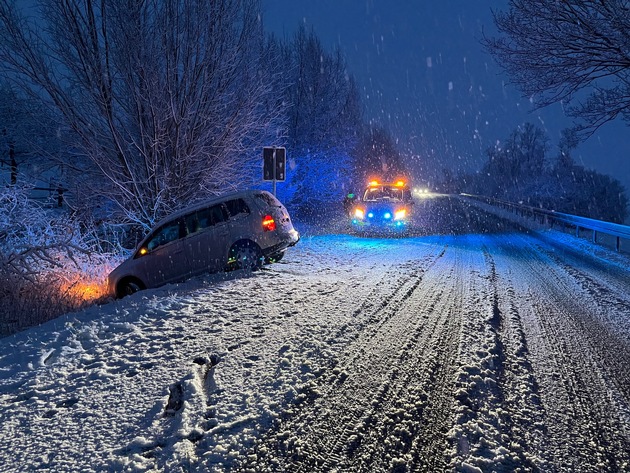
281 164
274 163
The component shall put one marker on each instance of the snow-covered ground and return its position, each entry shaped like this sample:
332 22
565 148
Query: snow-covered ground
469 346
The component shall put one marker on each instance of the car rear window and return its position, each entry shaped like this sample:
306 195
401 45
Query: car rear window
236 207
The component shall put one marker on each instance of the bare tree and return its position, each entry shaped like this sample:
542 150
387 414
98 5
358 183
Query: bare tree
518 163
325 106
324 122
165 98
554 50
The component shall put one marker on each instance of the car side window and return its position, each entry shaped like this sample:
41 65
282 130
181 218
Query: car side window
192 223
236 207
218 214
166 234
211 216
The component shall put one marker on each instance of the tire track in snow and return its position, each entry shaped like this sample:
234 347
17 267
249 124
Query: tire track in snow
605 305
411 400
306 351
499 418
402 359
583 388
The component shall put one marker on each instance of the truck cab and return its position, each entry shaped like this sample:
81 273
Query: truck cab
383 206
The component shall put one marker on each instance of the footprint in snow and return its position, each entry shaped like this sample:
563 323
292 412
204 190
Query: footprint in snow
67 403
175 400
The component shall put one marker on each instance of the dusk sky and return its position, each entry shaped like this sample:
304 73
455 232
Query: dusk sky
425 76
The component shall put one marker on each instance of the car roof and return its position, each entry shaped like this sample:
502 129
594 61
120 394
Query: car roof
205 203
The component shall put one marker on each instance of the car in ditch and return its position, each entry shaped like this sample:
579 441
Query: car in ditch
240 230
383 207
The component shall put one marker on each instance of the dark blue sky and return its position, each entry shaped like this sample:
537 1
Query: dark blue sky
426 77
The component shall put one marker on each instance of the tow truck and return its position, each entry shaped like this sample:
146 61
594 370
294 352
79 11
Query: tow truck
383 206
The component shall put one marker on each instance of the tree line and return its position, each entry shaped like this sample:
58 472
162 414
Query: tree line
520 169
573 52
159 103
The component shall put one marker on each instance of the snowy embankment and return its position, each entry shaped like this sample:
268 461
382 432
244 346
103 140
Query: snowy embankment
468 346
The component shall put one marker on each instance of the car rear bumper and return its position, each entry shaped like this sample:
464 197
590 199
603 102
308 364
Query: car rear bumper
287 240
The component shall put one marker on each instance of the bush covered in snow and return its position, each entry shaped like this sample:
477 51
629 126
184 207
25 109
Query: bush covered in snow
48 264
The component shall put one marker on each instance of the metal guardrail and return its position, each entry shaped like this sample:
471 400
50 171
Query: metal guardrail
549 217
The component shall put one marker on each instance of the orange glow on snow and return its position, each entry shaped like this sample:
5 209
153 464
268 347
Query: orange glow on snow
85 291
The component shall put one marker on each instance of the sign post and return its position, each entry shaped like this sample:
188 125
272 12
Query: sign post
274 165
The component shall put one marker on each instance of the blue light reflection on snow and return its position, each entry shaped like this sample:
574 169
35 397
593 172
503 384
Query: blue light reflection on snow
411 245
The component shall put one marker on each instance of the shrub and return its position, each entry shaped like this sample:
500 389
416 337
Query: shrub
48 263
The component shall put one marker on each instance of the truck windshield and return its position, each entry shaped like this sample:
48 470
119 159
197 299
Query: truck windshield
383 193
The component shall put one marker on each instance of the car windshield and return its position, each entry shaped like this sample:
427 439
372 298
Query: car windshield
383 193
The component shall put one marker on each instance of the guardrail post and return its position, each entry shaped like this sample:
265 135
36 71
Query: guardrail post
618 244
594 236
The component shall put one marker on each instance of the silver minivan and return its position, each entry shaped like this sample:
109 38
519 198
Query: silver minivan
241 230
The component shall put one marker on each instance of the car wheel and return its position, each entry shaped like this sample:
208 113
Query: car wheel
246 255
129 287
274 258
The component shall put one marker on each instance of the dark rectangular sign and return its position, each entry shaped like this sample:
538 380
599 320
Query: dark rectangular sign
274 163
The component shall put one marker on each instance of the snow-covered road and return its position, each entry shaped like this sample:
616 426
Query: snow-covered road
471 346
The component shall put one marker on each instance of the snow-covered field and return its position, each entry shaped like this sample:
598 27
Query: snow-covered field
469 346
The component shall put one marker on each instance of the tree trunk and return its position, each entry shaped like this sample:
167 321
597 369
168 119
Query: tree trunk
13 164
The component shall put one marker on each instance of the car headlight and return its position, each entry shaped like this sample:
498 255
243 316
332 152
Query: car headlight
359 213
400 214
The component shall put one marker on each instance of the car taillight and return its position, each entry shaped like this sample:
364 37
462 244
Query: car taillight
268 223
